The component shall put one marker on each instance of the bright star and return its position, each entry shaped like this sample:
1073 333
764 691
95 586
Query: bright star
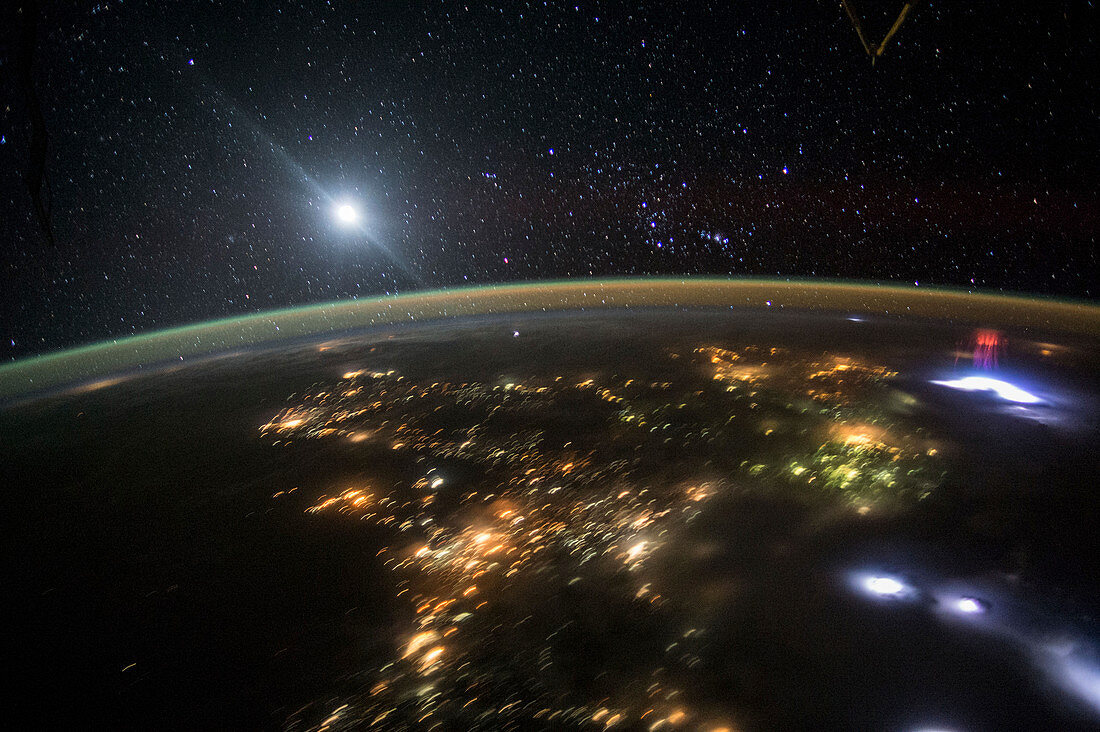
346 213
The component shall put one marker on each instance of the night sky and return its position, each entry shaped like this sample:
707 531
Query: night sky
197 153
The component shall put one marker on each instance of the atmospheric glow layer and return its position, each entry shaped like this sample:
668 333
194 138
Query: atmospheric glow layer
97 360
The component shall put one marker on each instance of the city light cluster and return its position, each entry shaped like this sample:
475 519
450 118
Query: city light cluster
583 500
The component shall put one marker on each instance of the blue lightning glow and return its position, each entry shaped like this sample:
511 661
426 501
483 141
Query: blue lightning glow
1003 389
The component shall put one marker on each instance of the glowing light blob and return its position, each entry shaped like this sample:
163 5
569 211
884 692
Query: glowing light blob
1003 389
885 586
970 605
346 213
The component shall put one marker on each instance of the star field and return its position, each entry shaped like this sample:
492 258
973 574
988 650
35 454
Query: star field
199 153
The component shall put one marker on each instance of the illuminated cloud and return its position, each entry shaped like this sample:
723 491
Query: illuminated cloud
883 586
1003 389
970 605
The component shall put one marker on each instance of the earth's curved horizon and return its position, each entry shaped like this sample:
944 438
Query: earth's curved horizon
42 372
629 505
608 367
